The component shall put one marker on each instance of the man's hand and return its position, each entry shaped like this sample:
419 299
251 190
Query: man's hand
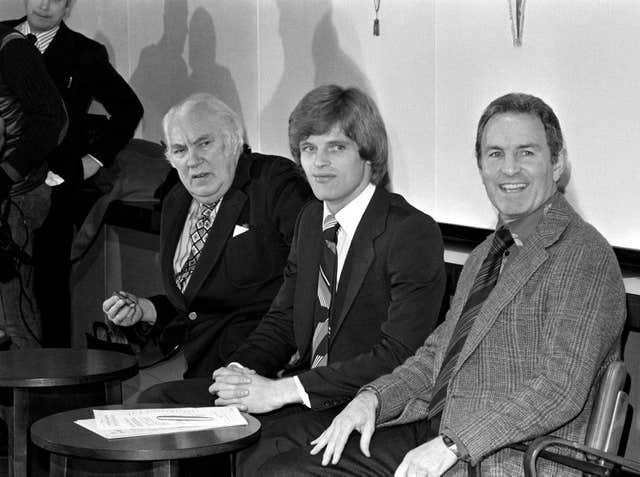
360 414
243 388
89 166
126 309
431 459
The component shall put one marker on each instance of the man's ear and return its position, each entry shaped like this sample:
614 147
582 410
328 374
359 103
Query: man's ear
559 166
67 9
230 144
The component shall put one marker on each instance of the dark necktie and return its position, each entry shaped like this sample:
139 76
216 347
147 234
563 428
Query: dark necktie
198 239
32 38
482 285
326 291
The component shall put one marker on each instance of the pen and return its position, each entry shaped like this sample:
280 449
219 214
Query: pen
126 299
184 418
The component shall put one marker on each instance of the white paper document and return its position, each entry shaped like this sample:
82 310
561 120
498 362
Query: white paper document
143 422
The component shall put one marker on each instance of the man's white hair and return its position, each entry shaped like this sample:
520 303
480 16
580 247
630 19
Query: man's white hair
228 118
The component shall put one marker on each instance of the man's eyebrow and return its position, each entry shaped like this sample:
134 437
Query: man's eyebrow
491 146
532 145
202 137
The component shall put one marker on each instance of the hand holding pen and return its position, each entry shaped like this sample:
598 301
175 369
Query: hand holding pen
126 309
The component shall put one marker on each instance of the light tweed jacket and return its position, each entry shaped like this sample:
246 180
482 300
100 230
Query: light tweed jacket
534 355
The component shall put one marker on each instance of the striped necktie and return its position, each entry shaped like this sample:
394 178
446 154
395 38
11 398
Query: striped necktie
482 286
199 234
326 290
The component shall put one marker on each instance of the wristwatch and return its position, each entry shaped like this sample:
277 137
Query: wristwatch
451 445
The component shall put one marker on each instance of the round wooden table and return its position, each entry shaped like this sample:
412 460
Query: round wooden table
39 374
63 438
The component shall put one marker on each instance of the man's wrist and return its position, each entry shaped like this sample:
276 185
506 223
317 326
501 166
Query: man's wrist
149 314
371 394
287 392
451 445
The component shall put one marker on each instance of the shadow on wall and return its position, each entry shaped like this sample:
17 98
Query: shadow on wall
304 69
206 75
161 78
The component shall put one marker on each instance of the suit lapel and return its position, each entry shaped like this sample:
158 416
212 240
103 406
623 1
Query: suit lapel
223 225
219 234
360 256
173 216
518 273
307 280
57 58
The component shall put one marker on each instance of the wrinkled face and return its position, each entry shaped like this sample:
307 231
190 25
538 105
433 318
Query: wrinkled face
201 149
515 164
334 168
44 15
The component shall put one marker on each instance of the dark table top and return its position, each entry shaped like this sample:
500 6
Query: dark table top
63 367
60 434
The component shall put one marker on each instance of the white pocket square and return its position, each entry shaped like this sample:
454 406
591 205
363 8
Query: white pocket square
239 229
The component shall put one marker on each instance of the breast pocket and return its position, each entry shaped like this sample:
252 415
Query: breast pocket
248 260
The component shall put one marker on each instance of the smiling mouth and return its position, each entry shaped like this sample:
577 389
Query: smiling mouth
200 175
516 187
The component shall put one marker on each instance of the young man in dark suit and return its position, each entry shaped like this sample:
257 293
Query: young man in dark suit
354 304
81 71
215 298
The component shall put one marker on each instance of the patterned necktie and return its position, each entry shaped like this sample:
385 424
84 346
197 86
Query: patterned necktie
326 290
482 286
199 234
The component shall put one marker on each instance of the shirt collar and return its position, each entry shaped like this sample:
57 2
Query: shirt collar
523 228
349 216
44 37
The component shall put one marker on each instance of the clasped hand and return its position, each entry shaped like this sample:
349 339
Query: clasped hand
248 391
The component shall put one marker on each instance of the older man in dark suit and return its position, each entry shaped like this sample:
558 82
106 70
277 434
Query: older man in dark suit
536 318
225 235
81 71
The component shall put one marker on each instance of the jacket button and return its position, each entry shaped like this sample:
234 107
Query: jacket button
193 315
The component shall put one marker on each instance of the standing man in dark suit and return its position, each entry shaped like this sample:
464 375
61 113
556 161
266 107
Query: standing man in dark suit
362 287
81 71
536 318
216 297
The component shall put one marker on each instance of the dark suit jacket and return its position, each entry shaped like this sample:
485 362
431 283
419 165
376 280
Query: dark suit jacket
387 301
81 71
236 277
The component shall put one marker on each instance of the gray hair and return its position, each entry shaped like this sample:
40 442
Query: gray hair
218 109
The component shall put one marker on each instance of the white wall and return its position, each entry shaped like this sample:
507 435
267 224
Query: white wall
582 58
435 66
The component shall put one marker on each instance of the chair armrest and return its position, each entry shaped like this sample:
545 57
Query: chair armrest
538 448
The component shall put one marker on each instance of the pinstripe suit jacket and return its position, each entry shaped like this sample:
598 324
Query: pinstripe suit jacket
534 354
